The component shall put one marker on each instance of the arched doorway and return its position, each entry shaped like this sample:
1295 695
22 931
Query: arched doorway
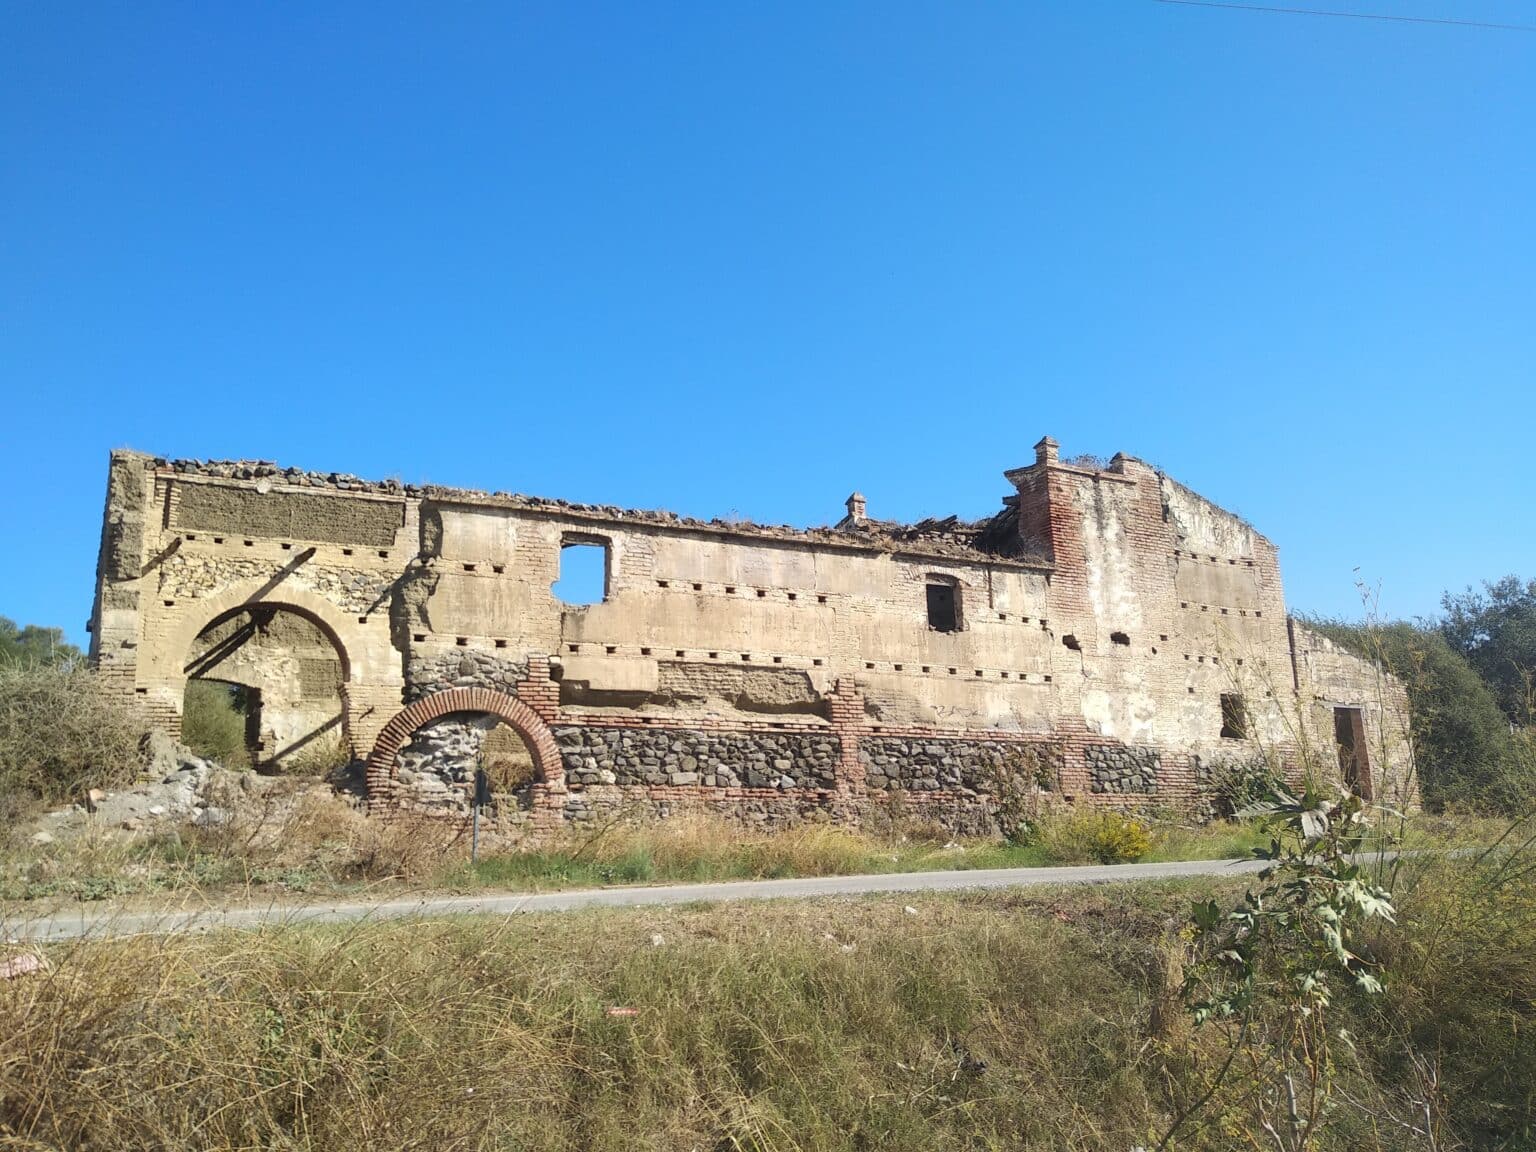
281 677
440 740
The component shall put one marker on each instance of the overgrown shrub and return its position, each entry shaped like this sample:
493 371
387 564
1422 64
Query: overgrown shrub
60 735
212 724
1092 834
1238 784
1456 1028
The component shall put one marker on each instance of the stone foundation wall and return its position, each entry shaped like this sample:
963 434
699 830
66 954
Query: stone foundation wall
433 672
937 765
1122 770
685 757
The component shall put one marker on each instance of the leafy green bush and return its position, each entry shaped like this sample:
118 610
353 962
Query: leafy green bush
212 724
60 734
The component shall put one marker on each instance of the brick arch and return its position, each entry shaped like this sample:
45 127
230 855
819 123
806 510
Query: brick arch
509 709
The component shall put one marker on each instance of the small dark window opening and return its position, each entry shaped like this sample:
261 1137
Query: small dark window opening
583 571
1070 641
943 612
1234 717
1120 638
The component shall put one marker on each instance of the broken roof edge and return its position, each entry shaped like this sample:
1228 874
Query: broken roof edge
1047 455
883 537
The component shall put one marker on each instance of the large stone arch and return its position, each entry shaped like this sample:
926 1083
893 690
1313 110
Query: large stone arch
372 676
509 709
338 627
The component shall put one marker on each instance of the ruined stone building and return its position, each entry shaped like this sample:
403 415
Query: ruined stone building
1108 636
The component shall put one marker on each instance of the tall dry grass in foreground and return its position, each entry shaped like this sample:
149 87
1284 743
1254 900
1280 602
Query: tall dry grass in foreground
969 1024
980 1022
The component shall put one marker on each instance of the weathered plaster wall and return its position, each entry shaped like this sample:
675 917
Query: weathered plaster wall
1103 614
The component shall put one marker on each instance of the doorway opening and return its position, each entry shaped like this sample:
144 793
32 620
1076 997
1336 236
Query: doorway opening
1354 761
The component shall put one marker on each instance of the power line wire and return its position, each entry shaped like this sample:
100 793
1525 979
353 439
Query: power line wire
1352 15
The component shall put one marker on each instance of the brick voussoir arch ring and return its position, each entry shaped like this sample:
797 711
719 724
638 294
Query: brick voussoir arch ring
517 715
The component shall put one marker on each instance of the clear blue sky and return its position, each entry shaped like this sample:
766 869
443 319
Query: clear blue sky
733 259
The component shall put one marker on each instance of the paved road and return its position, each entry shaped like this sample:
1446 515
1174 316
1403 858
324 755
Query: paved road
75 924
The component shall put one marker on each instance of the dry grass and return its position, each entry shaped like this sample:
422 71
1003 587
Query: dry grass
975 1024
1047 1021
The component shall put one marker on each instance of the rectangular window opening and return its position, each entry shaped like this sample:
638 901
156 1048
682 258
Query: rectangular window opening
1234 717
943 608
583 576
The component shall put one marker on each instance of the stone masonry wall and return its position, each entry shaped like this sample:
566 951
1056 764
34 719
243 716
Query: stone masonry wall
432 672
682 757
1118 769
935 765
